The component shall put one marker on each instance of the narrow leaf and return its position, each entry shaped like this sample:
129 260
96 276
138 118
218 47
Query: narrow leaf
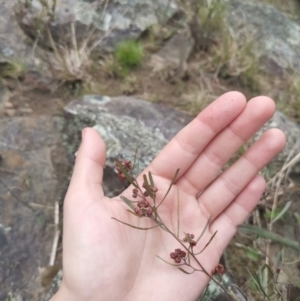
151 178
212 237
160 225
126 174
135 157
172 182
203 231
133 213
173 264
185 272
250 229
178 214
134 226
252 254
282 212
257 283
147 187
127 201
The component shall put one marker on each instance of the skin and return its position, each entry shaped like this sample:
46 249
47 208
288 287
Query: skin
106 260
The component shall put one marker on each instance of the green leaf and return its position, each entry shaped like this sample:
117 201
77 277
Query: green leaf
172 182
282 212
151 178
147 187
250 229
126 174
127 201
257 282
252 254
212 237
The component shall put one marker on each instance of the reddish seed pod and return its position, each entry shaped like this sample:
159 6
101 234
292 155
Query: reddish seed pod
149 211
121 176
135 190
177 259
134 196
173 255
146 193
154 188
193 243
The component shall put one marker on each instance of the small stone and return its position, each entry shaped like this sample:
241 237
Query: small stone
8 105
25 110
10 112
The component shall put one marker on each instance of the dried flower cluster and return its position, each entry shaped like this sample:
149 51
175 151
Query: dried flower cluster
178 255
219 269
127 165
145 205
189 238
143 208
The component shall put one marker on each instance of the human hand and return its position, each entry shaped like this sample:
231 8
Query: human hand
106 260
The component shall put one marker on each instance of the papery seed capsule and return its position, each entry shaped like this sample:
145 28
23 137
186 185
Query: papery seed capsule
149 211
146 193
173 255
154 188
121 176
177 259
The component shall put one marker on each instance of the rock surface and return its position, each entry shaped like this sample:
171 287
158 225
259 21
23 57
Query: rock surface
277 36
115 20
29 186
126 124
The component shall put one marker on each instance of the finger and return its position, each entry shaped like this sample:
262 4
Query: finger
230 183
185 147
90 160
237 212
208 165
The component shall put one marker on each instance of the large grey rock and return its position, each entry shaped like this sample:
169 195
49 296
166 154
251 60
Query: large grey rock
12 37
30 184
114 20
126 124
277 36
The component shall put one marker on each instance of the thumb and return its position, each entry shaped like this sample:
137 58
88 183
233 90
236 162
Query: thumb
90 161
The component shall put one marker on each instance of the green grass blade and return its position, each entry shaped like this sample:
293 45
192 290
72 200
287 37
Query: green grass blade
282 212
250 229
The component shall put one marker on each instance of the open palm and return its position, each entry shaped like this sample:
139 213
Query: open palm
105 260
